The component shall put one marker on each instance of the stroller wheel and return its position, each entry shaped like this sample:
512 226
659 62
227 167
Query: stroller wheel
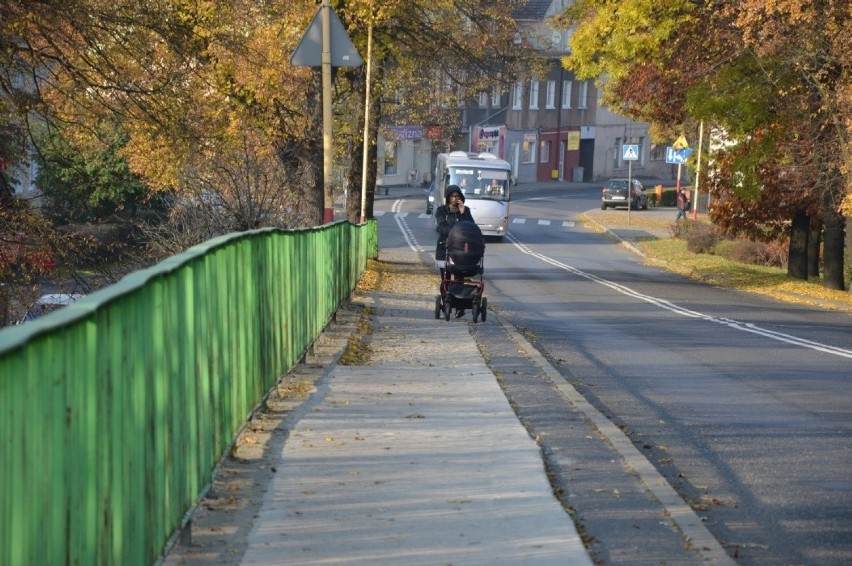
447 309
475 312
483 308
438 307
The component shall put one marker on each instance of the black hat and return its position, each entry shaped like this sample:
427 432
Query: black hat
453 189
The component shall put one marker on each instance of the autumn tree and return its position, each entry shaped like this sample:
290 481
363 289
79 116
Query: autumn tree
202 92
428 59
207 102
772 76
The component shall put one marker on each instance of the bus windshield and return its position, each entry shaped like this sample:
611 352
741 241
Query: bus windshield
481 182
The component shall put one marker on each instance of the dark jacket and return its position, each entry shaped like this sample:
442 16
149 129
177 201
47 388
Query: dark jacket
446 216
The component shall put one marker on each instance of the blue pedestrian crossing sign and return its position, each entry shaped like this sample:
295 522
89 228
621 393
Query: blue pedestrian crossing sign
630 152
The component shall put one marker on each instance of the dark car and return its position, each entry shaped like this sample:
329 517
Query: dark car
430 198
614 194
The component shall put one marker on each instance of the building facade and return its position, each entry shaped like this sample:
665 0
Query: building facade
552 127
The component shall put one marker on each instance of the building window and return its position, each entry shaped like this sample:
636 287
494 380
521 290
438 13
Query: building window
544 151
483 100
551 95
582 94
528 149
556 40
495 97
617 154
566 94
517 95
391 149
534 94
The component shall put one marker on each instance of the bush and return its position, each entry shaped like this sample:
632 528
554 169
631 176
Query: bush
771 254
700 237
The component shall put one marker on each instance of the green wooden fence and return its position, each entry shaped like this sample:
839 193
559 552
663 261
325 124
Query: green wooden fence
116 410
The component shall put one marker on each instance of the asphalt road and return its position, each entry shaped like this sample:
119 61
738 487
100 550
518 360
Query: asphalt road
742 403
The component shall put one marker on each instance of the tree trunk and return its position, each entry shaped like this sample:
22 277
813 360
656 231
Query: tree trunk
797 254
848 256
357 79
834 238
372 147
814 245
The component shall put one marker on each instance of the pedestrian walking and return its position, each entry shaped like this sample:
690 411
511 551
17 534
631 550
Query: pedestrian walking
453 210
682 205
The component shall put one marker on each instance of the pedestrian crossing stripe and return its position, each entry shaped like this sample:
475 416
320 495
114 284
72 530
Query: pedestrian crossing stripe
423 215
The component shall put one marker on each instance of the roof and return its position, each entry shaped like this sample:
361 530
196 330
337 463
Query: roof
532 10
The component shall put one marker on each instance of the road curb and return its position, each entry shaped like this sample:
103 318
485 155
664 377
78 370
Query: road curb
695 533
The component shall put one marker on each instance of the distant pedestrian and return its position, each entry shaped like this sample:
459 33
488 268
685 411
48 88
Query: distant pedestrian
682 205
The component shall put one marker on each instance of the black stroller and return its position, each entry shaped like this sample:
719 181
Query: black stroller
461 283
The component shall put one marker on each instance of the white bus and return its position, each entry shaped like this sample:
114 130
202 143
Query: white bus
485 182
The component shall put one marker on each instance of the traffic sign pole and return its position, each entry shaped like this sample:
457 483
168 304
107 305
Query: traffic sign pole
698 171
325 44
629 189
629 153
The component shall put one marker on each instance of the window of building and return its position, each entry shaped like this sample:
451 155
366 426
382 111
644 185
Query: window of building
556 40
534 94
517 95
391 150
566 94
495 97
582 94
544 151
483 100
551 94
528 149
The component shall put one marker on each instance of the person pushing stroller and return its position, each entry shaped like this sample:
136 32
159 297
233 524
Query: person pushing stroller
447 215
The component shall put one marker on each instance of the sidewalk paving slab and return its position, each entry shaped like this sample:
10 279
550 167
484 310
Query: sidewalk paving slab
406 462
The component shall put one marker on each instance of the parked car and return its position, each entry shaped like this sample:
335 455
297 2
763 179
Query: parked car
614 194
49 303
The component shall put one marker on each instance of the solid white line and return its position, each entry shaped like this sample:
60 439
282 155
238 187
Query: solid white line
403 226
683 311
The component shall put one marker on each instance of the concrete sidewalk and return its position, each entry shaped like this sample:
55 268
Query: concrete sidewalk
415 459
